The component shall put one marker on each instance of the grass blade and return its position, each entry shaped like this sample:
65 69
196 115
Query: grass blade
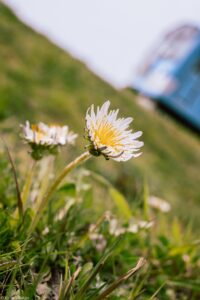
157 291
121 279
67 285
95 271
19 200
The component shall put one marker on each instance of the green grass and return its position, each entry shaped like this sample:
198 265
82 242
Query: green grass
40 82
83 248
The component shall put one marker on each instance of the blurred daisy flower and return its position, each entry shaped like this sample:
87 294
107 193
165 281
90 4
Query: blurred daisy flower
110 136
159 204
46 139
134 226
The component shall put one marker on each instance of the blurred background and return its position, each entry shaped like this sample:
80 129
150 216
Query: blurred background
111 37
59 57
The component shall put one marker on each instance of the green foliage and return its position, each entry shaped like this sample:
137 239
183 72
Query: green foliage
7 184
39 81
90 236
85 247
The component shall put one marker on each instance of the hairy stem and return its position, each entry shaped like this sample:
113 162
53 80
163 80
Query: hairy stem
82 158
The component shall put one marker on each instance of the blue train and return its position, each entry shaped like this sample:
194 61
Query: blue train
171 73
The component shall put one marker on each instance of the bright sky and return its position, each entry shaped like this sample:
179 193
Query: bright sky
110 36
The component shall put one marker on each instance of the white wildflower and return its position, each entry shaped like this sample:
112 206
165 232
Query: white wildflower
135 226
46 230
115 228
111 136
43 138
145 224
47 135
98 240
159 204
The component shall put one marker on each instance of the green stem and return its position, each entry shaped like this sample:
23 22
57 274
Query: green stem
82 158
85 156
27 184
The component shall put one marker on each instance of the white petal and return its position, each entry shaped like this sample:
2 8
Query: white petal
104 127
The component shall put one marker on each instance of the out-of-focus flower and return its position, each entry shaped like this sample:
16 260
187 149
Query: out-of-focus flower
46 230
43 138
98 239
135 226
159 204
145 224
48 135
186 258
115 228
110 136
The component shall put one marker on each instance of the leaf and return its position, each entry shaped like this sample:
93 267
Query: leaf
69 189
86 268
141 262
121 203
66 285
83 288
117 197
176 231
181 250
19 200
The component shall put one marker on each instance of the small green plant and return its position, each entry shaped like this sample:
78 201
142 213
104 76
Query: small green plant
108 136
77 237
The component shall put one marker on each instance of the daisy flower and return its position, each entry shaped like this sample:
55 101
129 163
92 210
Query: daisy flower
110 136
159 204
46 139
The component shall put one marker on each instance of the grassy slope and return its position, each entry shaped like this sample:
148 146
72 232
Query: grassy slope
39 81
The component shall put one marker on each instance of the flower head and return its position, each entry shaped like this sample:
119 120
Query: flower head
111 136
159 204
43 138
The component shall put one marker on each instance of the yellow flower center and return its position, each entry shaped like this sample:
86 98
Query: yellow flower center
107 135
38 133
